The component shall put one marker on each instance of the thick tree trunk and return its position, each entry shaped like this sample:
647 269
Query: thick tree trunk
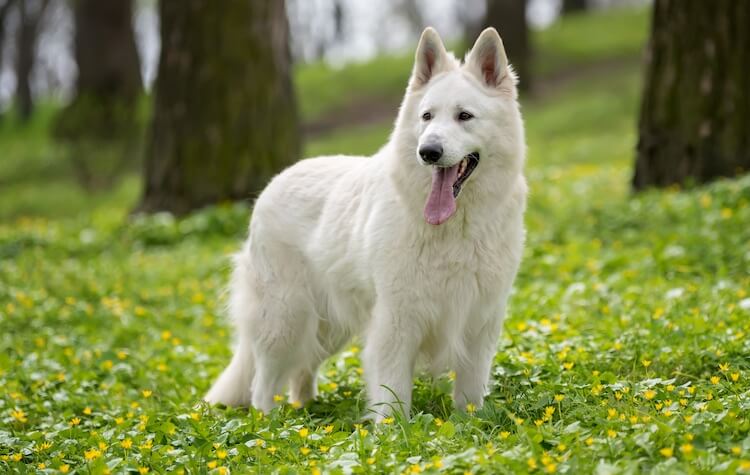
225 116
103 115
509 18
695 112
573 6
29 19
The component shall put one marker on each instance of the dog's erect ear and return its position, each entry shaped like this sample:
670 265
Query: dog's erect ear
430 59
487 58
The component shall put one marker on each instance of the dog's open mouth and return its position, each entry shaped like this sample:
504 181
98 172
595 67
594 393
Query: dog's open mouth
446 185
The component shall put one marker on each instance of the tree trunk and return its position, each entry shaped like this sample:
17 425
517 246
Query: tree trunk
695 112
509 18
225 115
573 6
29 19
103 115
5 6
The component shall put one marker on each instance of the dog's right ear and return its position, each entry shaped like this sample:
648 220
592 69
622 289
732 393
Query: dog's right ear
430 59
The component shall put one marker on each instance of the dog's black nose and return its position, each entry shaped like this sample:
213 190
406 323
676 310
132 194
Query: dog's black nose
431 152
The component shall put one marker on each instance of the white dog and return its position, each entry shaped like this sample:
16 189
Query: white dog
415 248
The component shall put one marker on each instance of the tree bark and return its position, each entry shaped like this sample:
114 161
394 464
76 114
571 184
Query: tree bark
695 112
29 19
509 18
225 115
574 6
103 115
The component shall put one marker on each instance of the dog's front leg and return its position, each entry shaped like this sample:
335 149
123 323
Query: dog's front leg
391 347
473 373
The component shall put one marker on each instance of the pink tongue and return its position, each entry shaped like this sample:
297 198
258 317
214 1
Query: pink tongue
441 204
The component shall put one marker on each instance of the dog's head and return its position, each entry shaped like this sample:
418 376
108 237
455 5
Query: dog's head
466 118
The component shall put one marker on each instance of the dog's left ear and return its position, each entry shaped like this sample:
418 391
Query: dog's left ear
487 58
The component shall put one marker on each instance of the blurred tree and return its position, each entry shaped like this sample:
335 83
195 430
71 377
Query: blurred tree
574 6
30 15
225 118
103 115
5 7
509 18
695 112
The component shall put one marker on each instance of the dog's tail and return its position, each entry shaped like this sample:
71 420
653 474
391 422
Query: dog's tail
233 388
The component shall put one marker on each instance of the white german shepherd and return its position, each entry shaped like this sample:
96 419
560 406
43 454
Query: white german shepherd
414 249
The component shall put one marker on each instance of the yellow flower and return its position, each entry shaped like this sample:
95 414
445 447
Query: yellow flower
388 420
278 398
611 413
370 460
519 421
222 470
143 470
538 422
549 410
272 449
121 355
723 367
195 416
736 450
504 434
531 463
686 449
304 432
561 447
670 387
363 432
17 457
726 213
550 468
611 434
126 444
304 450
75 421
415 469
666 452
646 363
559 397
568 366
146 393
589 441
715 380
471 408
633 419
222 454
41 466
328 429
324 448
649 394
119 420
92 454
212 464
65 468
87 411
19 415
735 377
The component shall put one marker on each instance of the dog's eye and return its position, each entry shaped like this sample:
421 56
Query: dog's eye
426 116
464 116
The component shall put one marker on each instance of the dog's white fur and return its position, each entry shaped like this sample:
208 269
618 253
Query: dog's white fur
338 247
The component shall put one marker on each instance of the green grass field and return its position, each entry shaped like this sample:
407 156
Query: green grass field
625 349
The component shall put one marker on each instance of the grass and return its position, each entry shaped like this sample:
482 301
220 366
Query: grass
625 349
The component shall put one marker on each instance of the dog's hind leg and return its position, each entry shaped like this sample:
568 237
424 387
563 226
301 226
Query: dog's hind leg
233 386
303 386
